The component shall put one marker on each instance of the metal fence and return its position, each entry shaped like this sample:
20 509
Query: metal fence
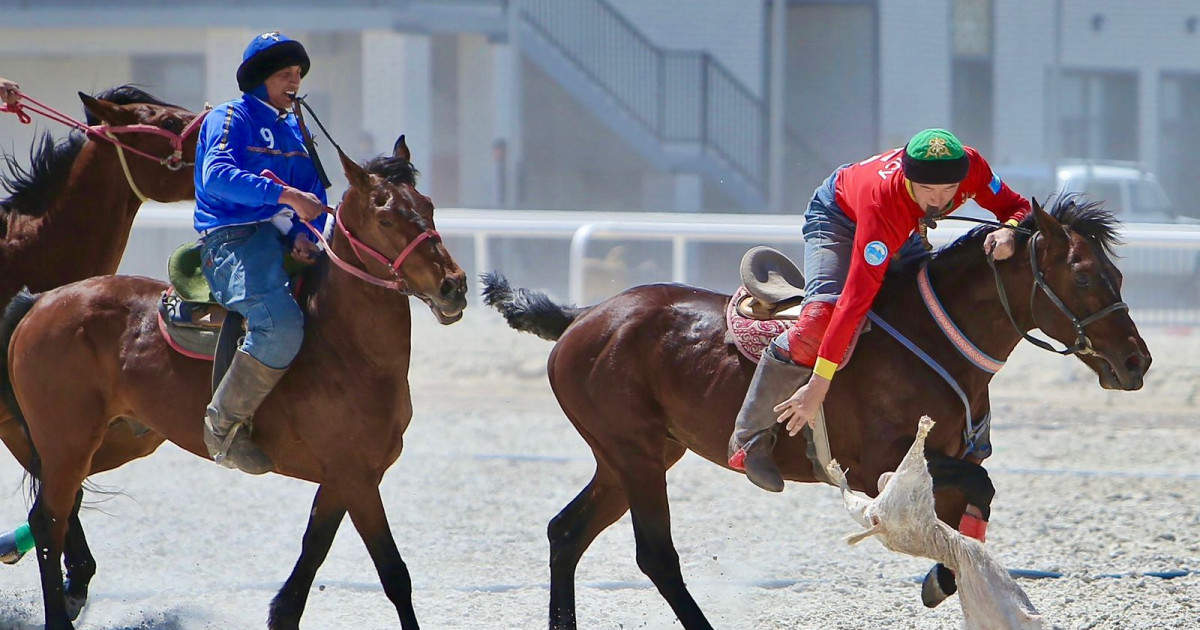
584 256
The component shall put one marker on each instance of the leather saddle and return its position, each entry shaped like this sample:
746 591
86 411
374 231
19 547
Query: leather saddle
774 286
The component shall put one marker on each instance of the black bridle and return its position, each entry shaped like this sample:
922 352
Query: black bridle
1082 343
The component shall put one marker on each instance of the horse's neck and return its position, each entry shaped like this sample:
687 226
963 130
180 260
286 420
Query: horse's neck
82 233
968 294
373 323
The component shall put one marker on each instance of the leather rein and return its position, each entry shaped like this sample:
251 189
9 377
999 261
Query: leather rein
1082 343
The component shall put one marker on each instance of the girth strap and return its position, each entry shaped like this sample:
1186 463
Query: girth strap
972 432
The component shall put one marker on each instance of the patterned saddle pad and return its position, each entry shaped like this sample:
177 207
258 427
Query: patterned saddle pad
750 335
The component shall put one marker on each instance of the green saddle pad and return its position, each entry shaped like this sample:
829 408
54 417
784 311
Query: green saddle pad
185 274
183 269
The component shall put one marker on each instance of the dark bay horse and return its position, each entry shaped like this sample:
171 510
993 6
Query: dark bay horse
647 375
85 355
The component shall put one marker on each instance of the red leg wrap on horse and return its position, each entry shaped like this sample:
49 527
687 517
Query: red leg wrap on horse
974 527
804 338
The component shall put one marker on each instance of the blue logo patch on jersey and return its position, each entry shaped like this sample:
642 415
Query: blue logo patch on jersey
875 252
995 184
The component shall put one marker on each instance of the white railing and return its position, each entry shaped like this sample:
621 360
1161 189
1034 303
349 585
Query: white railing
1155 251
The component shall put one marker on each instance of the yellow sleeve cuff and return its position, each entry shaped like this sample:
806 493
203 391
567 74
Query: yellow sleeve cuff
1012 222
825 368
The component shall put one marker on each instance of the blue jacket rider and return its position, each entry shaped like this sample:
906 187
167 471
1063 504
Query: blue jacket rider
247 223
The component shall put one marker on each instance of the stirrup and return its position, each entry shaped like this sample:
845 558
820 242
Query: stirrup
222 453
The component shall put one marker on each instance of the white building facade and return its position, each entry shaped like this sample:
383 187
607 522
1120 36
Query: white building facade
665 105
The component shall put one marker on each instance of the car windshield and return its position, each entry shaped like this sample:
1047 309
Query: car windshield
1149 198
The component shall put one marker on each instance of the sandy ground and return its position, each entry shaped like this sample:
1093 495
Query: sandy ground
1099 486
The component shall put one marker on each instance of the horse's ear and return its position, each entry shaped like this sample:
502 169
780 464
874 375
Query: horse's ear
109 113
355 174
400 149
1049 227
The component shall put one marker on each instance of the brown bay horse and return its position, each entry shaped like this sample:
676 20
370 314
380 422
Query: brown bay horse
647 375
68 217
337 418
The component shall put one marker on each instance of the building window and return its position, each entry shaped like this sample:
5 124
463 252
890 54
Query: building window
1179 135
971 71
1098 115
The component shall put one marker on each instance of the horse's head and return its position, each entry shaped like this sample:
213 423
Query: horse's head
1079 301
154 128
384 211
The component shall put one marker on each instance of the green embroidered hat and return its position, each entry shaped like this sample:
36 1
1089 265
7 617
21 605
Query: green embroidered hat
935 156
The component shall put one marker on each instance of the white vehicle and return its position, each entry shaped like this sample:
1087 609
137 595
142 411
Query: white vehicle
1128 190
1155 276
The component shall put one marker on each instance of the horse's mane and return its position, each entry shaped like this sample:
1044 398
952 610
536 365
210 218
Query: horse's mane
31 191
400 172
1087 218
396 170
125 95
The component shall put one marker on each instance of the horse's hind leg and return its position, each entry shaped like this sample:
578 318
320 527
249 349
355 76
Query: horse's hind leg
599 505
367 514
643 472
323 521
49 520
81 566
963 495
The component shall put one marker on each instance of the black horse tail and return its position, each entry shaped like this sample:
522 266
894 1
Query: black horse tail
13 314
526 310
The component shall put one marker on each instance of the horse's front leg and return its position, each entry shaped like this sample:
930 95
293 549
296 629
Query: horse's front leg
323 522
366 512
963 495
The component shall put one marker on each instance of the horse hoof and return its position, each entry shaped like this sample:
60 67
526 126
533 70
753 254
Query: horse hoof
938 585
10 548
10 556
74 603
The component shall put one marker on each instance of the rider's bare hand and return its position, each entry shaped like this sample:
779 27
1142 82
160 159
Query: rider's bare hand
801 408
1001 244
10 93
306 204
304 250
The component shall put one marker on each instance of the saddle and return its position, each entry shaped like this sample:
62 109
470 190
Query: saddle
192 321
767 303
188 314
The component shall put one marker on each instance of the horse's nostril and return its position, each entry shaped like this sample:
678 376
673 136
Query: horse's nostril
449 287
1133 363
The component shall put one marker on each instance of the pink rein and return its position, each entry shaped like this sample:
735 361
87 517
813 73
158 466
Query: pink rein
174 161
360 247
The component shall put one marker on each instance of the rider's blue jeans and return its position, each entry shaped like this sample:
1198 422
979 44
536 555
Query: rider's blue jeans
244 267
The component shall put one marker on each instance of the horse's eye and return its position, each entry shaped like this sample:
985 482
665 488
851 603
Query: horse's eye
1082 281
172 124
384 221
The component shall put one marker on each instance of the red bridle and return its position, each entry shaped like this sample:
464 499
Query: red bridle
174 161
360 247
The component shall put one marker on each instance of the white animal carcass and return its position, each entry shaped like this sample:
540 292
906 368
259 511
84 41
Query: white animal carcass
902 518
